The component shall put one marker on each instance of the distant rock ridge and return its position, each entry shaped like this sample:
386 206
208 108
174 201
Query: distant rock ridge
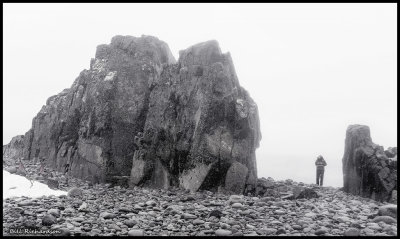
368 169
138 114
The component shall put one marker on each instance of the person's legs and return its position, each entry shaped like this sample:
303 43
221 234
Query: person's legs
319 177
322 177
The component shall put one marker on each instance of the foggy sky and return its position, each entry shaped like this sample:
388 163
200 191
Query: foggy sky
312 69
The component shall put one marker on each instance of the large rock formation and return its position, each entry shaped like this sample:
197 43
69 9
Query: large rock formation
139 114
368 170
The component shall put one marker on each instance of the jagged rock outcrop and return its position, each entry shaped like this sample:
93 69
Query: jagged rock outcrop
140 115
368 170
15 148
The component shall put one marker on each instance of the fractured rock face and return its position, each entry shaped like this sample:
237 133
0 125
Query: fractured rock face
367 169
194 128
137 112
15 148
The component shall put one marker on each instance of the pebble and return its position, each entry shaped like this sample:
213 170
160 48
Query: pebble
222 232
270 231
101 209
279 212
151 203
83 207
54 211
320 232
198 222
130 223
26 203
310 214
239 234
297 227
251 234
136 232
343 219
280 231
248 226
69 210
48 220
189 216
385 219
237 205
78 219
107 215
352 232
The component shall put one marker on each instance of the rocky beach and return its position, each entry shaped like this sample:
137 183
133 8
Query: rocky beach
146 145
294 209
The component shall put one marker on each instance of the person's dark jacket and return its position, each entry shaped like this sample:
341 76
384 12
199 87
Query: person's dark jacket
320 163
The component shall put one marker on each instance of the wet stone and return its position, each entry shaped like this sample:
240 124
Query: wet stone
222 232
136 232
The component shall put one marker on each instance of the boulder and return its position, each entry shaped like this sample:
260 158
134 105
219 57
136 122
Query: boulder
391 152
12 169
388 210
48 220
297 190
139 113
21 172
367 171
52 183
75 192
272 193
215 213
262 185
307 193
30 224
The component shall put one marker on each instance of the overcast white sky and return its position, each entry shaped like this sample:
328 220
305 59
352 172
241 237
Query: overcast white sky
313 69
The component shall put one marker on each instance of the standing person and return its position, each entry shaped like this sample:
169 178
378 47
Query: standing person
320 163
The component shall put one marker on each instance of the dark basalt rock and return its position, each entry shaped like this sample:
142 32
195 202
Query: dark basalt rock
138 113
367 169
307 193
52 183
